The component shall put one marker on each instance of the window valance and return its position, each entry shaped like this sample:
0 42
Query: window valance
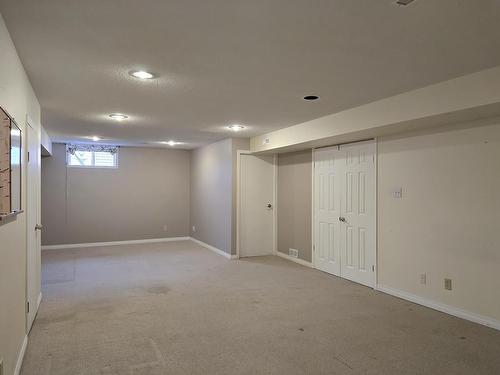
72 148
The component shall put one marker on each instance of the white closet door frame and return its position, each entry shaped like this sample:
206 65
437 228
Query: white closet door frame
375 213
238 201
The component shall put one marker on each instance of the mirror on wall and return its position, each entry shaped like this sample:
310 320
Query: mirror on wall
10 166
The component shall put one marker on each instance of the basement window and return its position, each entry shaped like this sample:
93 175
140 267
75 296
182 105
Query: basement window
91 156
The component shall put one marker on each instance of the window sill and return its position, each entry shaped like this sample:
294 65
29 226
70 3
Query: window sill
6 218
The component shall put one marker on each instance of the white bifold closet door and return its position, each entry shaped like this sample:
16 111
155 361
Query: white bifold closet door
344 211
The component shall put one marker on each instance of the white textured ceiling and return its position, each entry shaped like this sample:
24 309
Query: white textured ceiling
236 61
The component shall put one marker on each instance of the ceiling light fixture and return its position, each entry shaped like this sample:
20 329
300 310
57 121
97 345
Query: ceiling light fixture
95 138
236 127
141 74
171 143
118 116
311 97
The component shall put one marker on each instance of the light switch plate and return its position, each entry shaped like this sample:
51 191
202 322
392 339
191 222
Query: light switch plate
397 193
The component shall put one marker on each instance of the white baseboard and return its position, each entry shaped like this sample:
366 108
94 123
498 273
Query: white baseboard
214 249
455 311
113 243
296 260
20 357
39 300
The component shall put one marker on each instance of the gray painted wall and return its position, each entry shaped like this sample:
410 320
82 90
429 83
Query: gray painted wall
213 193
294 203
149 189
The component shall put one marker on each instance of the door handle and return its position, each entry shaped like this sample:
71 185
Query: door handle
38 227
342 219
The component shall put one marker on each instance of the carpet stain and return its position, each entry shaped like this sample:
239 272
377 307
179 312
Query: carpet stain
159 289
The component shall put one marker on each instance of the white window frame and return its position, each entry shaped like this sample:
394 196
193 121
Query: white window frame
93 166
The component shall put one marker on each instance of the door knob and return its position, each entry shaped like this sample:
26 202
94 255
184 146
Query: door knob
38 227
342 219
269 206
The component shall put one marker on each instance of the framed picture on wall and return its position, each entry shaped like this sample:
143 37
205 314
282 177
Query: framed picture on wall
10 166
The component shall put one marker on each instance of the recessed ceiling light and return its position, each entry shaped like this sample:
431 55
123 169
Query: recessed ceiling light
311 97
95 138
171 143
141 74
118 116
236 127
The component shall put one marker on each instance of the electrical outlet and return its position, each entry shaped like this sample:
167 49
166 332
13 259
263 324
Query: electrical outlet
194 228
447 284
423 279
265 141
293 253
165 228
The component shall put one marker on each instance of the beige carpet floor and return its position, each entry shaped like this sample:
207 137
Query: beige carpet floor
177 308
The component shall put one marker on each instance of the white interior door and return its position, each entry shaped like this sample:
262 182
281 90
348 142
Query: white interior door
256 219
358 213
345 216
33 263
327 210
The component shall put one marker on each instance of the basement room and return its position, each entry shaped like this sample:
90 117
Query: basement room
249 187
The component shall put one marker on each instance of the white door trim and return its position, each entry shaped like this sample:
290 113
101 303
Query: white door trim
238 200
375 192
275 208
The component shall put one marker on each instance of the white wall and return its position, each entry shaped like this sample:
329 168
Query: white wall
18 98
447 223
473 96
46 142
